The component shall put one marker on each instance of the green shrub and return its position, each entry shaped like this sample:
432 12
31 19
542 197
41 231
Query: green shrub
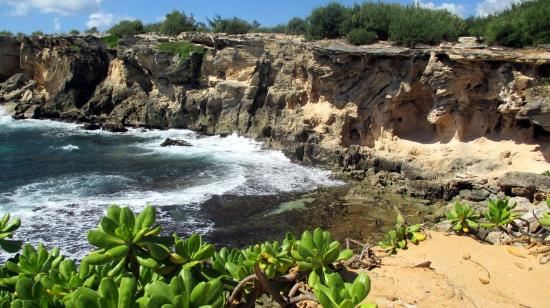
111 41
92 30
126 28
182 49
296 26
152 28
414 25
6 33
327 21
37 33
361 37
74 32
230 26
177 22
135 266
524 24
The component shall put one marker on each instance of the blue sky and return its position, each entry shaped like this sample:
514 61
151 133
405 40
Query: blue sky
63 15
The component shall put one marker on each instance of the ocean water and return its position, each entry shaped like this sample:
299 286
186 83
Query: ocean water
60 179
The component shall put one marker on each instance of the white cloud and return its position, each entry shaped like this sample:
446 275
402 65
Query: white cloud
103 20
56 24
63 7
487 7
456 9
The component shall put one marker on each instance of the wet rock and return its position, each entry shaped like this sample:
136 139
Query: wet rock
91 126
115 127
175 142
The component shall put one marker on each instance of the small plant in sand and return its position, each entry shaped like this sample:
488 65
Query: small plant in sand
463 217
500 213
402 234
545 220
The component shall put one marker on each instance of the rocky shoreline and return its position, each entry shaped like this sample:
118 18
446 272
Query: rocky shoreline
433 123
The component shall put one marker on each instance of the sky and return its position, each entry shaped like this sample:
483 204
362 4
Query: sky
57 16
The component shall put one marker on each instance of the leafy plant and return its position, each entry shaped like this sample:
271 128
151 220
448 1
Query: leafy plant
182 49
397 239
545 220
361 37
316 250
131 240
183 291
110 40
7 228
463 217
332 292
499 214
133 265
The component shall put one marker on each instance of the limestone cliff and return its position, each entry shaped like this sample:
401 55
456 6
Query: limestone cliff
432 122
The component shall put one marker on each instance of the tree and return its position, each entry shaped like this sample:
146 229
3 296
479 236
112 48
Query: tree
6 33
230 26
74 32
296 26
152 28
92 30
37 33
127 28
177 22
327 21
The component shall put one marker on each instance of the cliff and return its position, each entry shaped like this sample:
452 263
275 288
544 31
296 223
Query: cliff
431 122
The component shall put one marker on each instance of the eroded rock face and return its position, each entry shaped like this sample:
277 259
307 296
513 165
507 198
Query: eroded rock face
450 119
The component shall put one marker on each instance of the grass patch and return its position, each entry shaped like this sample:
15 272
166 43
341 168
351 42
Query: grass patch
111 41
182 49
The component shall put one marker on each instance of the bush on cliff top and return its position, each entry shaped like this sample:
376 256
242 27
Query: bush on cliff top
135 266
177 22
182 49
126 28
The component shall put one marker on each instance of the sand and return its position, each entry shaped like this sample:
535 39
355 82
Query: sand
454 279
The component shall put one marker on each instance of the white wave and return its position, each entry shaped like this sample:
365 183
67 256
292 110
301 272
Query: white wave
70 148
71 204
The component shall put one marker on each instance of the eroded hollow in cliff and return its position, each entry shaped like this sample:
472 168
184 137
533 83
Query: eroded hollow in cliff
409 117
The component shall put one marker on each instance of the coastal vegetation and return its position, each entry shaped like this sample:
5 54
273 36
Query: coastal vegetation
182 49
524 24
135 265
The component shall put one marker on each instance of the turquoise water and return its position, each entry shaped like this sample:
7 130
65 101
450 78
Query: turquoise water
60 178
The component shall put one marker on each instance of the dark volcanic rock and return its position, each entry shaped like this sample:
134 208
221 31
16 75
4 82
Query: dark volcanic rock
529 185
115 127
91 126
174 142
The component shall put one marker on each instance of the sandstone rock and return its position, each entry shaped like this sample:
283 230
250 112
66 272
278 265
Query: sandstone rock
174 142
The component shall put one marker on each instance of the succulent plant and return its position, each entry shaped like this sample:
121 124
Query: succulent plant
7 228
545 220
108 295
191 251
128 239
332 292
463 217
33 261
29 293
314 251
397 239
270 257
500 213
230 263
183 291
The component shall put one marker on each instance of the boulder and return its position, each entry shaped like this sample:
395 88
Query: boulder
524 184
91 126
115 127
175 142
